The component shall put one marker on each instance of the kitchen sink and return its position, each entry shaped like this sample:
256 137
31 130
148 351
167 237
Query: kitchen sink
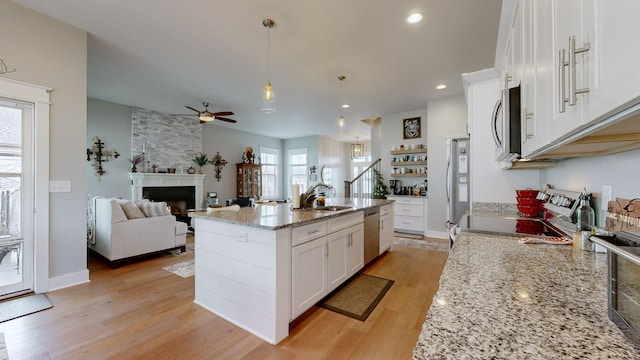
333 208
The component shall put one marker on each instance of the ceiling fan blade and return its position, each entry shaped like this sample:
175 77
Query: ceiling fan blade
225 119
183 114
223 113
190 108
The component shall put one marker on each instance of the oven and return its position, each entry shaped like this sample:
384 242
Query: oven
623 255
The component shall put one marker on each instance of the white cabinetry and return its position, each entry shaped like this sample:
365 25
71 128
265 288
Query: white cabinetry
323 256
617 73
409 214
308 274
346 254
573 32
386 228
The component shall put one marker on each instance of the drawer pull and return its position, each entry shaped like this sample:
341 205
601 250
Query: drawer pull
313 232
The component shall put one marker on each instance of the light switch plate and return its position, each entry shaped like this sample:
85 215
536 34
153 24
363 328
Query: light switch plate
607 195
60 186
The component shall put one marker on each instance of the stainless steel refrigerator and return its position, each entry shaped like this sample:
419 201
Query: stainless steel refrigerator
457 183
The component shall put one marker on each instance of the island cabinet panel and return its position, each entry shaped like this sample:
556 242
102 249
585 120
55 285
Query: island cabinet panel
338 271
386 228
309 275
241 275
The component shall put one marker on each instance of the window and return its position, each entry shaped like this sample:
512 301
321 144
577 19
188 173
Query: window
269 161
298 167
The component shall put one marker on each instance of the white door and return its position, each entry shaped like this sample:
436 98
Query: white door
16 197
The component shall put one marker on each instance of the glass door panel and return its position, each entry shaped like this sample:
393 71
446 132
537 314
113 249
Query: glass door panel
15 212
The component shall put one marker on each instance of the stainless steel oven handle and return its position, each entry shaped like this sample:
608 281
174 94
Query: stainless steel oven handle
616 249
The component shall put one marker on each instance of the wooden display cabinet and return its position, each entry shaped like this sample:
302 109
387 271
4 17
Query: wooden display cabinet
249 180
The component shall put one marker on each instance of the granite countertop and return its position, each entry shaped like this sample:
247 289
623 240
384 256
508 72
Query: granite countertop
499 299
273 217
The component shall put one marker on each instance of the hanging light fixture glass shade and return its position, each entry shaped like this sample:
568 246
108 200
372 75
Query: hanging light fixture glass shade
268 95
341 121
357 150
268 99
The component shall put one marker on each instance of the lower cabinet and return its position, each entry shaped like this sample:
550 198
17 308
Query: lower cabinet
320 262
346 254
386 232
308 275
410 214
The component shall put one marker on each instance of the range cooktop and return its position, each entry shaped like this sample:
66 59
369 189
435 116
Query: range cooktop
507 226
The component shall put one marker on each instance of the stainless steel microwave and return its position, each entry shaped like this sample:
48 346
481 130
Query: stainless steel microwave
505 125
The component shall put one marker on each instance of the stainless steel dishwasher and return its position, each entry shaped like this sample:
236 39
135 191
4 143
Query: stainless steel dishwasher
371 234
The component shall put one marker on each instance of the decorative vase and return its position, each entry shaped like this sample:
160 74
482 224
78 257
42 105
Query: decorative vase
134 169
199 169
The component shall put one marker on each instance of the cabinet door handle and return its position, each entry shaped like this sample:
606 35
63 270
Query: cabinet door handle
562 63
573 92
527 116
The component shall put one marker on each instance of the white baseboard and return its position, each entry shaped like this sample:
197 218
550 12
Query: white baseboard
437 234
67 280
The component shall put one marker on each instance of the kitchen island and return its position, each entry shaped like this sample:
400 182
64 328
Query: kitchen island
499 299
249 263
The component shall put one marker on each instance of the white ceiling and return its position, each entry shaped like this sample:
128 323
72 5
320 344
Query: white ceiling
165 54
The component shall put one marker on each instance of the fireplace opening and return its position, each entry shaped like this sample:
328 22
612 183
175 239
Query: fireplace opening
178 198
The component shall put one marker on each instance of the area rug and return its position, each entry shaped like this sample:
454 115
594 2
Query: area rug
4 354
177 252
422 244
358 297
16 308
184 269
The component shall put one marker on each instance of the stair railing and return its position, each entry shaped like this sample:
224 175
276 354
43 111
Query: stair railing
362 185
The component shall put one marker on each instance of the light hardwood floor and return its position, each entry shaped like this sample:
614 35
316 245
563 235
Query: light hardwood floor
140 311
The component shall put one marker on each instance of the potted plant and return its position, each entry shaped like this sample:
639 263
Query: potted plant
135 160
201 160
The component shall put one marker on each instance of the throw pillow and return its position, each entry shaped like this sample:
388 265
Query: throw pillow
131 210
155 208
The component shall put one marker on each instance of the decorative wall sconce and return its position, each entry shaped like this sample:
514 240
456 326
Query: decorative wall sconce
218 162
100 155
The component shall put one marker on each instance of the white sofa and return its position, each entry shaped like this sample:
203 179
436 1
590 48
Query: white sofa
120 236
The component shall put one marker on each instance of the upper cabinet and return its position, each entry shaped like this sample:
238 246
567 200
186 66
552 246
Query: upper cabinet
617 71
577 64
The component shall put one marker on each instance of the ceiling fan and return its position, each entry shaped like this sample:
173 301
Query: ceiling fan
206 115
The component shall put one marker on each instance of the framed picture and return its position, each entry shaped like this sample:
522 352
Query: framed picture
411 128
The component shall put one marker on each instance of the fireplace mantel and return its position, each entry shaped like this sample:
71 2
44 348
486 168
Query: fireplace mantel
142 180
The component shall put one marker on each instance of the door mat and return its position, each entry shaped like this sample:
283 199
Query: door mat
358 297
184 269
16 308
408 235
4 355
422 244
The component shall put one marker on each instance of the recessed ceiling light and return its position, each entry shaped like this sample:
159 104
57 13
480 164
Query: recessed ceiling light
414 18
441 86
345 106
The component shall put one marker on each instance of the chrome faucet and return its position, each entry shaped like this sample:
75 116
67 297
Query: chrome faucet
307 198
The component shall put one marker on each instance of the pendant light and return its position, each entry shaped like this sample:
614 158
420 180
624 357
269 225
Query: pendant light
268 96
357 150
341 122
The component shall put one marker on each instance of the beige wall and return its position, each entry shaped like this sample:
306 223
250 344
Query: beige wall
49 53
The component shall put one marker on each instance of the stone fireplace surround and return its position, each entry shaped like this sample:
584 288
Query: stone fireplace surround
140 181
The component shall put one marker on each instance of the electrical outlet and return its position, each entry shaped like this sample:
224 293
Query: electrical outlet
60 186
607 195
